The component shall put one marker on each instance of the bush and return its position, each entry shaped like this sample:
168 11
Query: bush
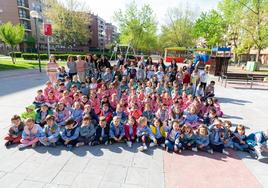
16 54
29 56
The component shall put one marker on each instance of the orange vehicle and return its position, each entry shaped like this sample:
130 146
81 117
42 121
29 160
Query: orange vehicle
177 53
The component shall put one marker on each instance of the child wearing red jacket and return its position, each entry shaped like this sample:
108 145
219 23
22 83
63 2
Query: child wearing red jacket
107 113
131 131
15 131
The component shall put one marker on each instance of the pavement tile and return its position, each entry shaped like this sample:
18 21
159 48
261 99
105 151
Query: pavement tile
28 184
115 174
84 180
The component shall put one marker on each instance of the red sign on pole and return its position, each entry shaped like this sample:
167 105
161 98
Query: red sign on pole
47 29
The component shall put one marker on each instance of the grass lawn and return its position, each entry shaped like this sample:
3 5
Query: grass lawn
6 64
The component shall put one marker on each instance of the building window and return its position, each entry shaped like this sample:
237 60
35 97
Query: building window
26 24
23 13
23 3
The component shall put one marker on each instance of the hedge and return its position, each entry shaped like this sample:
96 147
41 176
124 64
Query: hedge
63 57
16 54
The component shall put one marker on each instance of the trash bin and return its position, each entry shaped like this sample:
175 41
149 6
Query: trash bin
251 66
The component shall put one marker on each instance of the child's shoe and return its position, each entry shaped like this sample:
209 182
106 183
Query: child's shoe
225 152
33 145
176 148
8 143
129 144
210 151
194 149
79 144
144 147
141 148
22 146
152 145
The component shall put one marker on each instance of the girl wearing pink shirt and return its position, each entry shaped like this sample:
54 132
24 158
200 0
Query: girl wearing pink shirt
95 102
81 68
52 69
66 99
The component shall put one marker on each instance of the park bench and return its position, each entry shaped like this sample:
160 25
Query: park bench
242 77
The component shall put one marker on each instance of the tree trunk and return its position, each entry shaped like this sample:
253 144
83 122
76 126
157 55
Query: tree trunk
12 55
258 62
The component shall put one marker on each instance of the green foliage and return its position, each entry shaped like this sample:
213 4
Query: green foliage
248 19
137 27
211 27
178 29
70 22
11 35
15 54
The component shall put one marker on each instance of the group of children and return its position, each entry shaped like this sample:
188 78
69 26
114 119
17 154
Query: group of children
120 106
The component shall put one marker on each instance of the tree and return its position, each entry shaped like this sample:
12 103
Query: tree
70 22
30 41
178 28
12 35
211 27
137 27
252 20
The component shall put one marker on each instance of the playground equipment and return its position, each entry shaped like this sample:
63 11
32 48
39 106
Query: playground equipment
220 57
122 49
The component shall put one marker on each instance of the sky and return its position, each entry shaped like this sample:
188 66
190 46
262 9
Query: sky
106 8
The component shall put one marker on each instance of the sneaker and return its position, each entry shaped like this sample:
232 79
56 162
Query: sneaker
210 151
194 149
79 144
106 143
141 148
129 144
90 143
225 152
176 148
260 158
152 144
163 145
145 147
33 145
8 143
22 146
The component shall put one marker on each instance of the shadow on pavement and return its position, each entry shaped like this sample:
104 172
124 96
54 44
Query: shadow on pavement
233 101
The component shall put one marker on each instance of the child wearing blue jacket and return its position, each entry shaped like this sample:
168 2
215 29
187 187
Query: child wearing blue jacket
239 138
216 137
172 141
70 133
144 134
76 113
258 142
117 131
188 138
51 132
87 132
202 139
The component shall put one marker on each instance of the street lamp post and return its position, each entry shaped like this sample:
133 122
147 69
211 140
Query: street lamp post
34 14
103 34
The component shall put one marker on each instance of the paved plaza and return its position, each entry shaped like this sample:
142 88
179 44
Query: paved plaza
118 166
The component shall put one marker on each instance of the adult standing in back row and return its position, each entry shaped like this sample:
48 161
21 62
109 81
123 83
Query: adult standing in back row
81 68
71 64
52 69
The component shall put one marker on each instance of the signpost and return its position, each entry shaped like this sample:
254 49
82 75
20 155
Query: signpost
48 32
